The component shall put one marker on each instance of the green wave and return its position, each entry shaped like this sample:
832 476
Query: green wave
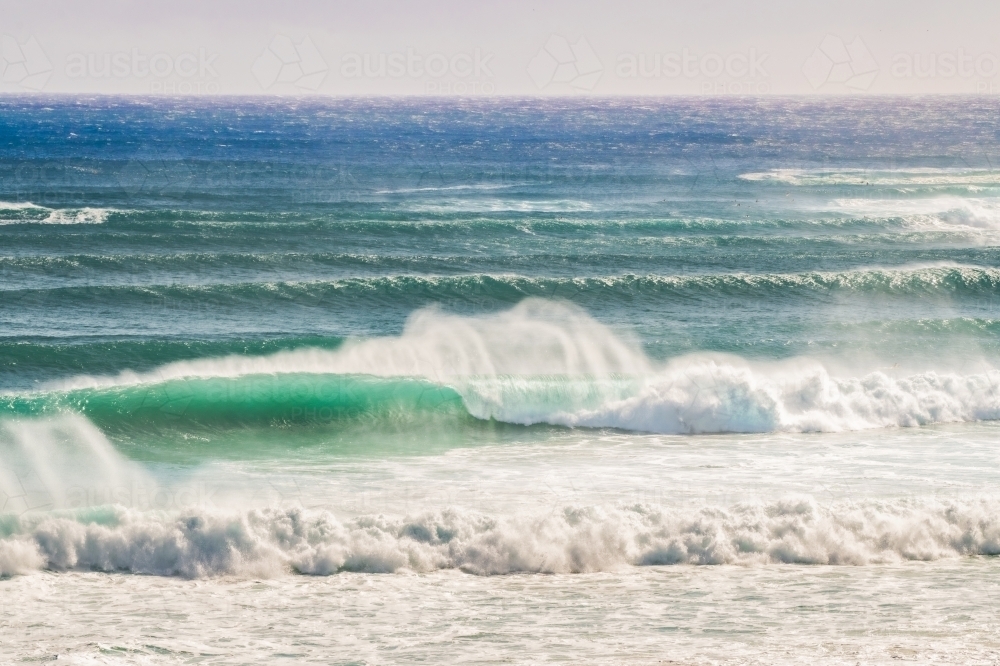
250 400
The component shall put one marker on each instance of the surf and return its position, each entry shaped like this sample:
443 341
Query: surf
540 362
200 543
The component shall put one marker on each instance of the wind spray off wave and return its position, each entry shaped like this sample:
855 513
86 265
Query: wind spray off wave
542 362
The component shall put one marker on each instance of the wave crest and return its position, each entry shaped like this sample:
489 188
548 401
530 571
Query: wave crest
28 213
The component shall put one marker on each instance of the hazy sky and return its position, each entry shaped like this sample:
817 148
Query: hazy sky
502 48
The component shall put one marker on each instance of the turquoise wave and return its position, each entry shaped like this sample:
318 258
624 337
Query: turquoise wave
246 401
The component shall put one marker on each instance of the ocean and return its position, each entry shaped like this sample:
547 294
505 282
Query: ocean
378 381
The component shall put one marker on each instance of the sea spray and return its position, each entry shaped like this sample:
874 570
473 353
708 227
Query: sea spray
64 461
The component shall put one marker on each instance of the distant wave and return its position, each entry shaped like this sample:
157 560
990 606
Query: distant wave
29 213
929 213
447 188
79 216
495 205
877 177
490 216
923 199
19 205
944 278
571 539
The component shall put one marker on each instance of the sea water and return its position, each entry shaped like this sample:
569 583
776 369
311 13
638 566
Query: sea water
607 381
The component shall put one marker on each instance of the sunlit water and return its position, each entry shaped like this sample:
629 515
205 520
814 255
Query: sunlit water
607 382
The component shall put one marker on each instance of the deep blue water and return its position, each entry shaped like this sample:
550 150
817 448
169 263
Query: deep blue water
170 229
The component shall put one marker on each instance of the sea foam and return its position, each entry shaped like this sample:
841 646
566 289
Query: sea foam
722 394
270 542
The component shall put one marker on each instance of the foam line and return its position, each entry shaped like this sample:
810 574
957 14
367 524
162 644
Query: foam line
274 542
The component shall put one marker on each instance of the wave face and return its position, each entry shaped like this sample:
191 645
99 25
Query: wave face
570 540
251 400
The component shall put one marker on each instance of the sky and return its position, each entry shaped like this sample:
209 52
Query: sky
490 48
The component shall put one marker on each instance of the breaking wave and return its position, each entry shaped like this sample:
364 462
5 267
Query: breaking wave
28 213
540 362
941 279
906 178
275 541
